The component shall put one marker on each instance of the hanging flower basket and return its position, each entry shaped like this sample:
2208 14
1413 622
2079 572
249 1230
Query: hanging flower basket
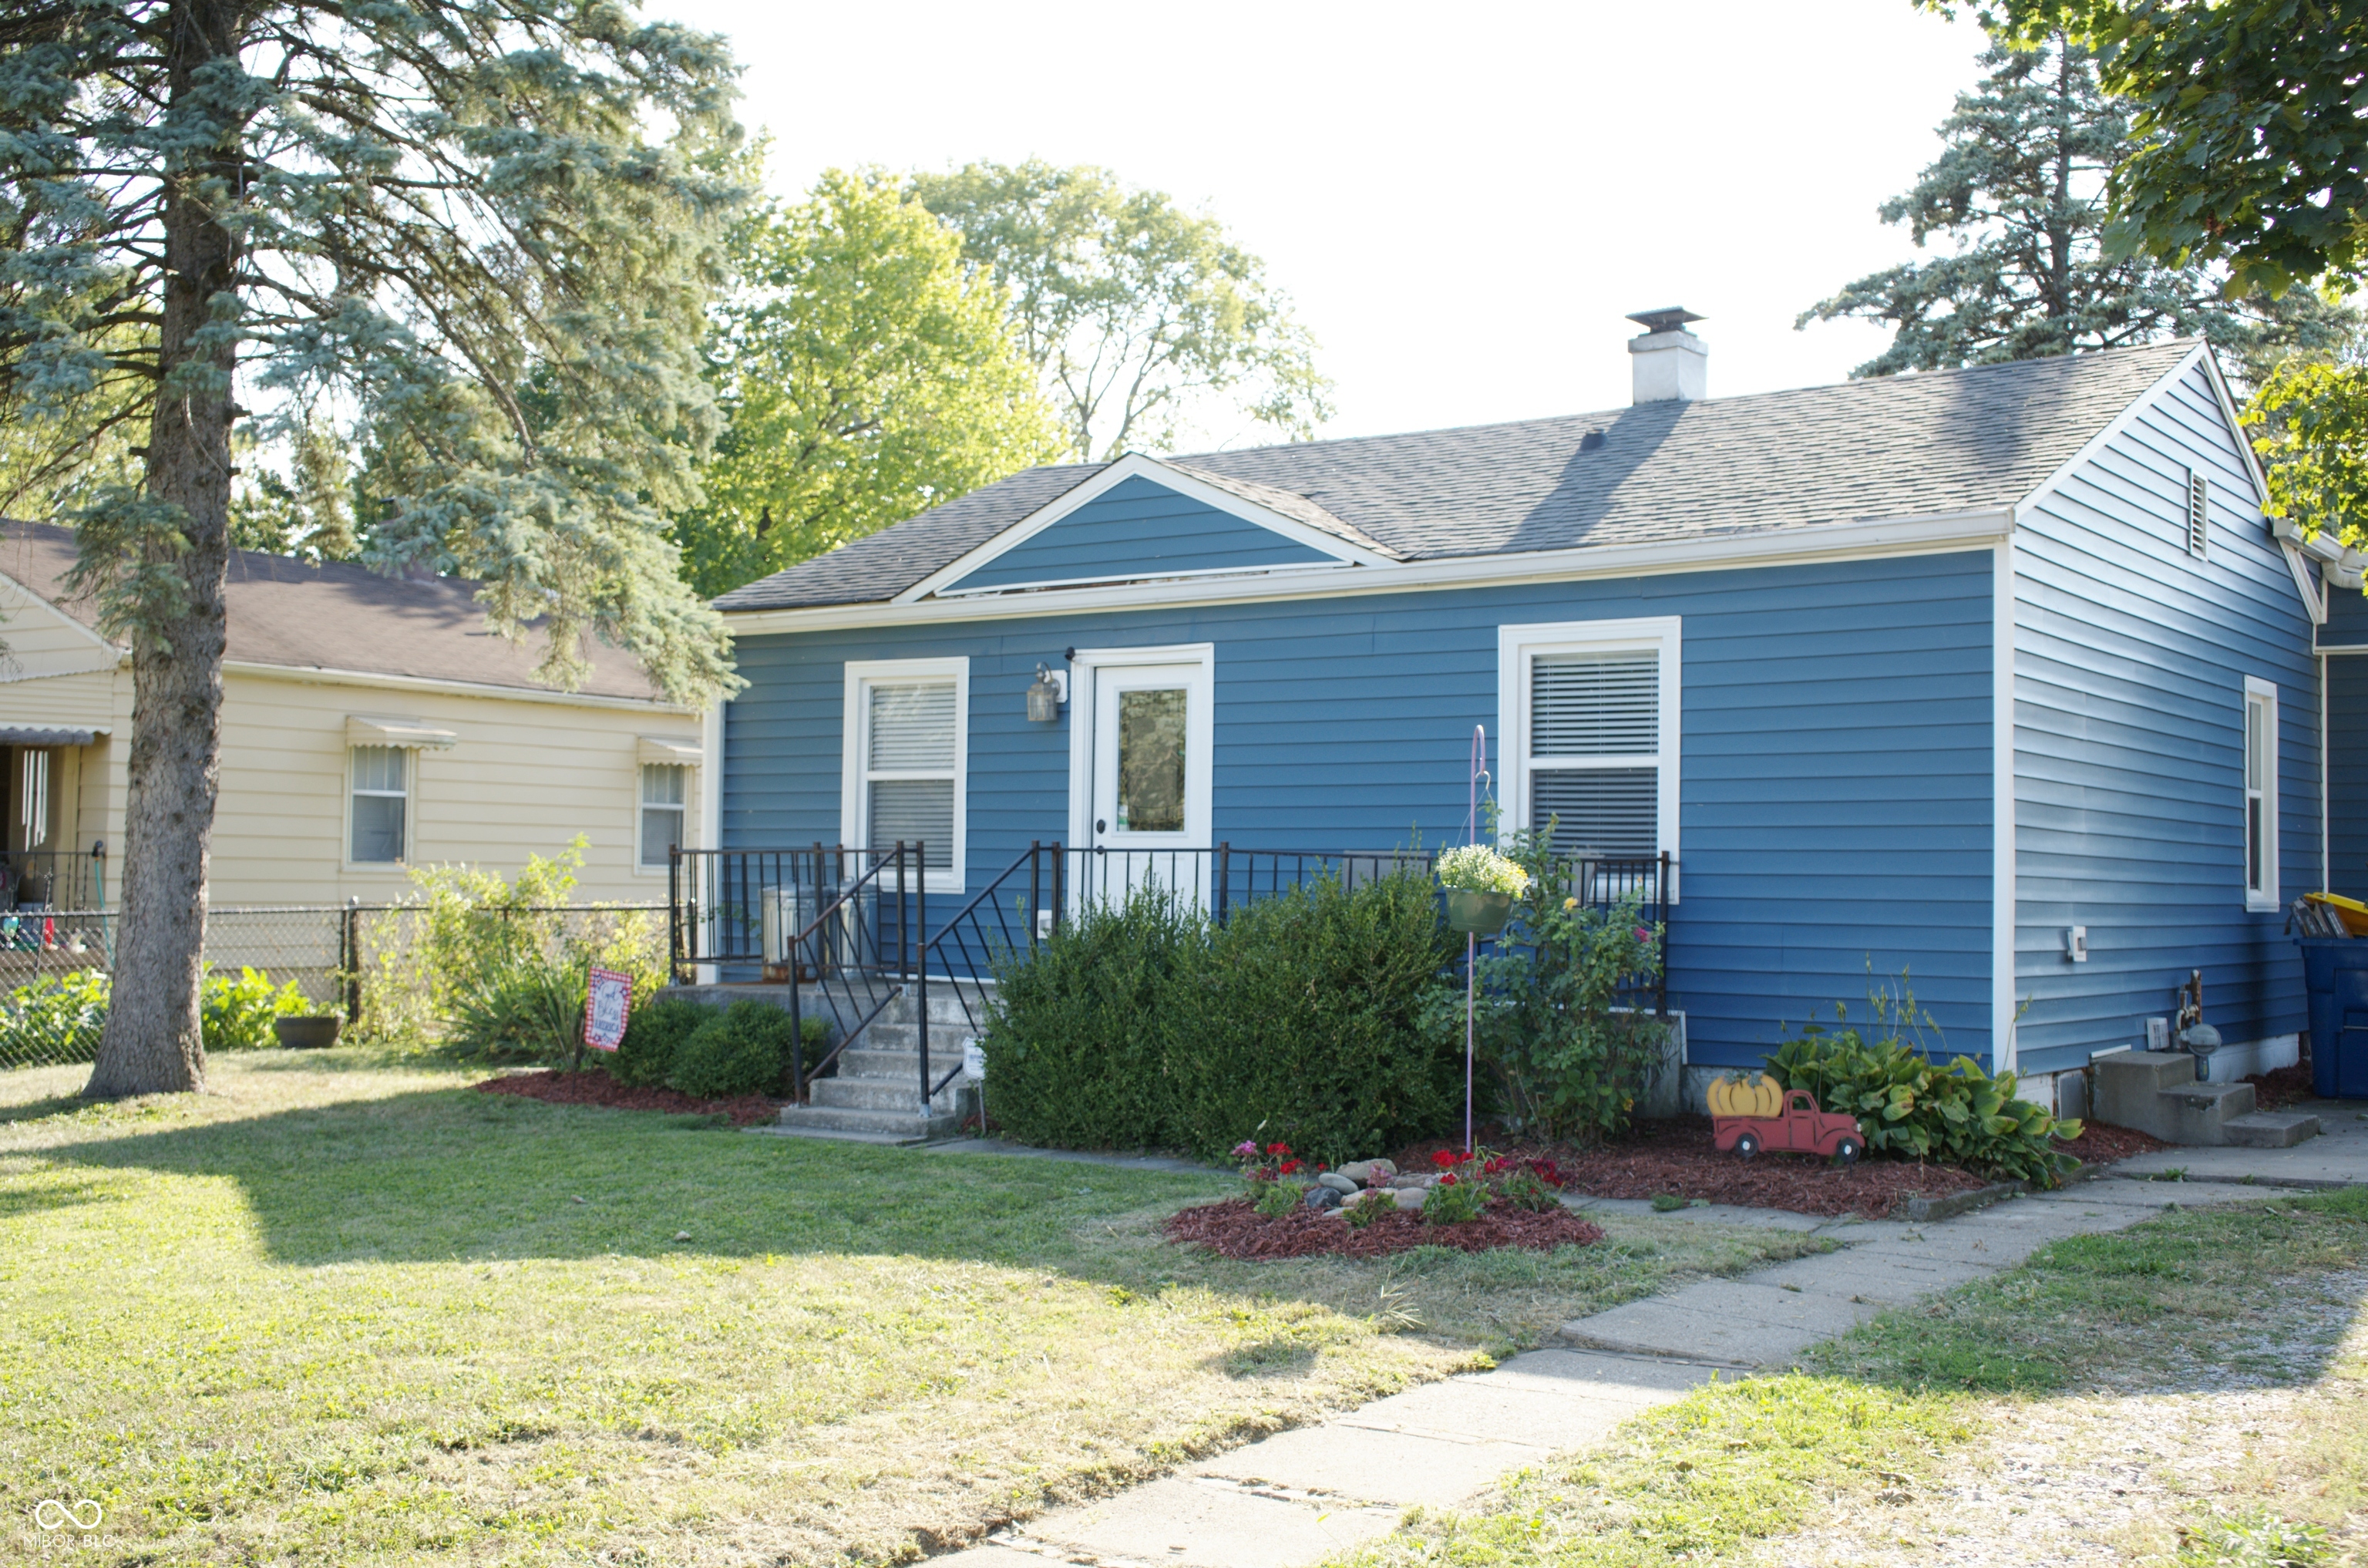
1481 913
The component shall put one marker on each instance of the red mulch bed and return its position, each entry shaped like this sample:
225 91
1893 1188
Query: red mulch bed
2282 1087
2101 1143
595 1087
1676 1156
1234 1228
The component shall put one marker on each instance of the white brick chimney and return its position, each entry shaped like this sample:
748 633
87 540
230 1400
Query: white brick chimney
1669 362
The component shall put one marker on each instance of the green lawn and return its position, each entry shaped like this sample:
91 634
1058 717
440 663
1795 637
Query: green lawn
345 1310
1883 1449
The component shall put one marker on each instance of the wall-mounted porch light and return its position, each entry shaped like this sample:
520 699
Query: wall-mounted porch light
1046 695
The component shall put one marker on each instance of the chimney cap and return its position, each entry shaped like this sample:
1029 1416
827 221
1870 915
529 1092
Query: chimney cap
1673 319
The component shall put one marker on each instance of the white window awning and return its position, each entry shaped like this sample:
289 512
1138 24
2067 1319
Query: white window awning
417 734
668 751
46 735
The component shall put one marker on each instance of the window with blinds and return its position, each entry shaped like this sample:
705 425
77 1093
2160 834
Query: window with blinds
909 755
1594 743
2260 783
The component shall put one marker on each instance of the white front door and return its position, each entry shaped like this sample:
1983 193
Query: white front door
1147 778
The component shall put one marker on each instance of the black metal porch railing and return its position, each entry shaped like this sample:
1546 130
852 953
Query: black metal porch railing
848 931
53 878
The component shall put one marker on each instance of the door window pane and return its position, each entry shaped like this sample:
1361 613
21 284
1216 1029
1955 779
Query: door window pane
1151 761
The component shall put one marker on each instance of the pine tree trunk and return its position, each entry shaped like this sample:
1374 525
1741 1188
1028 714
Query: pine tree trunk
152 1043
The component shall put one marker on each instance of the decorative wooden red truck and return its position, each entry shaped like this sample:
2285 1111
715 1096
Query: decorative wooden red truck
1750 1115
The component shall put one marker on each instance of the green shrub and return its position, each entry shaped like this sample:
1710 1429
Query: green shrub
1564 1059
1303 1023
1138 1025
530 1004
745 1049
56 1019
237 1015
653 1035
1910 1108
1076 1045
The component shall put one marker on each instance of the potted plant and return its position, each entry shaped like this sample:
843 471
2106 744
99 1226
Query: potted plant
1481 886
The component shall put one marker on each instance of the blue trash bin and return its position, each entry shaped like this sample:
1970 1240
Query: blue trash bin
2335 971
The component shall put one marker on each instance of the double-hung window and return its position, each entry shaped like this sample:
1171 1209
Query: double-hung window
382 797
666 797
907 745
2260 794
1588 727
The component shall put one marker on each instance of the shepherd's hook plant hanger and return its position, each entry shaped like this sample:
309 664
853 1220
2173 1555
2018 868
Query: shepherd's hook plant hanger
1481 783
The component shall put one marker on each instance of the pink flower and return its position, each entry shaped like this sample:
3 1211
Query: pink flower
1246 1149
1642 935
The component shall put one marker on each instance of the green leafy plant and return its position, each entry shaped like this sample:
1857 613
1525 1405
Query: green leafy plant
531 1006
2255 1540
1275 1200
1362 1208
1566 1060
745 1049
1910 1107
56 1019
237 1015
1453 1201
1476 867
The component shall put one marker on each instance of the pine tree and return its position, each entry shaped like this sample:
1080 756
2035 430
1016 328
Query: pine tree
449 217
2019 193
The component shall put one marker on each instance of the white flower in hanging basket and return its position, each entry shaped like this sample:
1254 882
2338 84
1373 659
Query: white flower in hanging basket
1476 867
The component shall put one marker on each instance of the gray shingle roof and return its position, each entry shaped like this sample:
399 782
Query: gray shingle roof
1894 447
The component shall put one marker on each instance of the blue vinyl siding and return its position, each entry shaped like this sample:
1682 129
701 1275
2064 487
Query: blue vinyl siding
1141 529
2346 769
2130 661
1836 780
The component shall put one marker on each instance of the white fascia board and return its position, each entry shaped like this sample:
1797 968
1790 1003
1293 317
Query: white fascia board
973 594
2253 468
2305 581
1931 535
319 675
2120 421
84 632
1135 465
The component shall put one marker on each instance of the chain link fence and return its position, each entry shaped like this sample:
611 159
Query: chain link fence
385 971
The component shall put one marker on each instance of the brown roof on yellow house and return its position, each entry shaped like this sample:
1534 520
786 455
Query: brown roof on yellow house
338 616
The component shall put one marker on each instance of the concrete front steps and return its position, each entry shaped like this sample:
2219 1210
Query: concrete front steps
2156 1092
876 1095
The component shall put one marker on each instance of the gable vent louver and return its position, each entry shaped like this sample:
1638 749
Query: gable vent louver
2198 506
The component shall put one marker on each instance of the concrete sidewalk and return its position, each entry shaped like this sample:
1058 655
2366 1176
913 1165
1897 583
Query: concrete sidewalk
2337 1157
1302 1495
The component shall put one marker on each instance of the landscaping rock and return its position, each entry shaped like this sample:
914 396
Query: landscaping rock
1322 1198
1418 1183
1410 1197
1358 1171
1339 1183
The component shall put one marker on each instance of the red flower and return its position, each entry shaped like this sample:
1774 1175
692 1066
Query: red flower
1447 1180
1287 1167
1280 1150
1496 1166
1445 1157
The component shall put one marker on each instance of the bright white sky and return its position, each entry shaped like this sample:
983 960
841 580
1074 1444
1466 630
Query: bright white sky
1463 202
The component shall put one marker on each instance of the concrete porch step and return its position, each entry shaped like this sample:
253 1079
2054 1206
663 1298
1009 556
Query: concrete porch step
903 1126
899 1066
2271 1129
873 1094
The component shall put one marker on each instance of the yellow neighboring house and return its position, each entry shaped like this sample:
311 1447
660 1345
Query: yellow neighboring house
369 724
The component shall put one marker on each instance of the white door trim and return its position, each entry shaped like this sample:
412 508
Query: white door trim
1200 731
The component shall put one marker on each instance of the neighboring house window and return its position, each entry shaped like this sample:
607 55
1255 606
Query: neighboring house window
33 799
665 797
2260 795
907 743
381 803
1588 735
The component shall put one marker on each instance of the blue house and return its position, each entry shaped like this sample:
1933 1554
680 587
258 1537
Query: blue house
1997 677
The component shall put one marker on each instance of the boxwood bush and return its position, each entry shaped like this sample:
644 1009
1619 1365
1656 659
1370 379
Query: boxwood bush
1141 1025
653 1035
741 1049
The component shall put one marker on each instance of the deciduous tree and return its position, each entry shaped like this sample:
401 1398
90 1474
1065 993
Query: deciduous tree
479 222
867 376
2248 142
2017 195
1137 313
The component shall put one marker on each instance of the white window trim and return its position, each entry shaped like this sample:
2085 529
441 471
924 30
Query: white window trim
2266 693
694 805
854 731
402 864
1200 734
1517 646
